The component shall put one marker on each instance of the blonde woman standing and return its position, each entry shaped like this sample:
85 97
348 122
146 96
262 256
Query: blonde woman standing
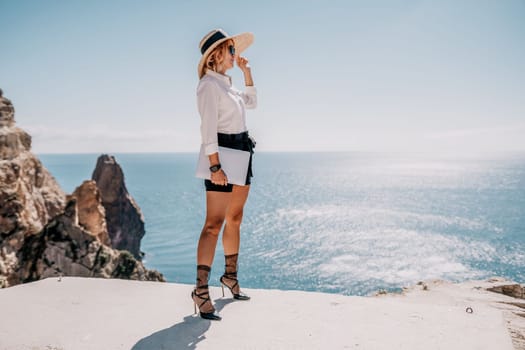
222 109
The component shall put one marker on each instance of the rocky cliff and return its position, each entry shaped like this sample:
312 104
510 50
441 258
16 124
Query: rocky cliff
29 195
39 235
124 217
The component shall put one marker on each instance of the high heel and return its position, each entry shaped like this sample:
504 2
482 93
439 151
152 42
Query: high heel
202 300
229 279
205 298
239 295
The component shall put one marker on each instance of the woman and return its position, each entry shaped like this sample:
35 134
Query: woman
223 123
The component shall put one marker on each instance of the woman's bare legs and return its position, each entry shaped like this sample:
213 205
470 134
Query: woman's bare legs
220 206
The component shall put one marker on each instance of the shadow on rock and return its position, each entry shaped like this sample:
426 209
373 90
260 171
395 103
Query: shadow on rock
184 335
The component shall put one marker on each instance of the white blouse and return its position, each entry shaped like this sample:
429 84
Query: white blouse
222 108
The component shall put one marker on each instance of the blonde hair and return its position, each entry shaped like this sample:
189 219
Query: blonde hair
216 57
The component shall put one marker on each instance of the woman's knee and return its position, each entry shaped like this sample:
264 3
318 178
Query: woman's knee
213 226
234 218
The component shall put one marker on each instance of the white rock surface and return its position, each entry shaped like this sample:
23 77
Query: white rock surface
82 313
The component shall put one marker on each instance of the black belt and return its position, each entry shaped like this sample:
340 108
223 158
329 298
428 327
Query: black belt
243 136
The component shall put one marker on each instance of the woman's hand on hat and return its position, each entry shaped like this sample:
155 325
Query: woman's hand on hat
219 178
243 63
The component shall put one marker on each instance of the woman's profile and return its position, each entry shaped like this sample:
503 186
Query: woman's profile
222 109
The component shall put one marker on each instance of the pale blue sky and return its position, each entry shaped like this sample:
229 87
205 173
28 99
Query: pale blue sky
120 76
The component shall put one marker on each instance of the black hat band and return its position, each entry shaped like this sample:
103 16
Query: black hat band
211 40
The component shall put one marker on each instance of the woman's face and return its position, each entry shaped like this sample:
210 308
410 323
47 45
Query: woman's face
229 55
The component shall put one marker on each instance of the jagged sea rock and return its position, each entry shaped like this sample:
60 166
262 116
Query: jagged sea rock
65 248
124 218
91 212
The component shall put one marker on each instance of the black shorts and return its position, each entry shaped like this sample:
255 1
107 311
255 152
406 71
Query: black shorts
241 142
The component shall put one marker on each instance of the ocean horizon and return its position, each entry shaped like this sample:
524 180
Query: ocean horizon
339 222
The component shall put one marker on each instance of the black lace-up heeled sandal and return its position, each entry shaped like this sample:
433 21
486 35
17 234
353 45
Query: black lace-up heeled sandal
229 279
203 302
201 295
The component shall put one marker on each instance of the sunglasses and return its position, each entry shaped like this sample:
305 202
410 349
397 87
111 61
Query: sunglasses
231 50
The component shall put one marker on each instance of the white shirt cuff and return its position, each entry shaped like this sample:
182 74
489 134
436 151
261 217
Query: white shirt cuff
250 90
211 148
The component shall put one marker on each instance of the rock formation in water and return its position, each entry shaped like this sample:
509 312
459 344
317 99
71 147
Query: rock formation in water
123 216
40 236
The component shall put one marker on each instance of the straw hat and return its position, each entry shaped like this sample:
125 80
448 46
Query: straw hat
215 38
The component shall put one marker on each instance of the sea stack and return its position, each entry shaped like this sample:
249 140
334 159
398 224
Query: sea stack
124 218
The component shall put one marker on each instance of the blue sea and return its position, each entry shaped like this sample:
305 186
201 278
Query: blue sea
348 223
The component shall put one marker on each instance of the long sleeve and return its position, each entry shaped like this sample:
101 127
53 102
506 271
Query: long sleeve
249 96
208 105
